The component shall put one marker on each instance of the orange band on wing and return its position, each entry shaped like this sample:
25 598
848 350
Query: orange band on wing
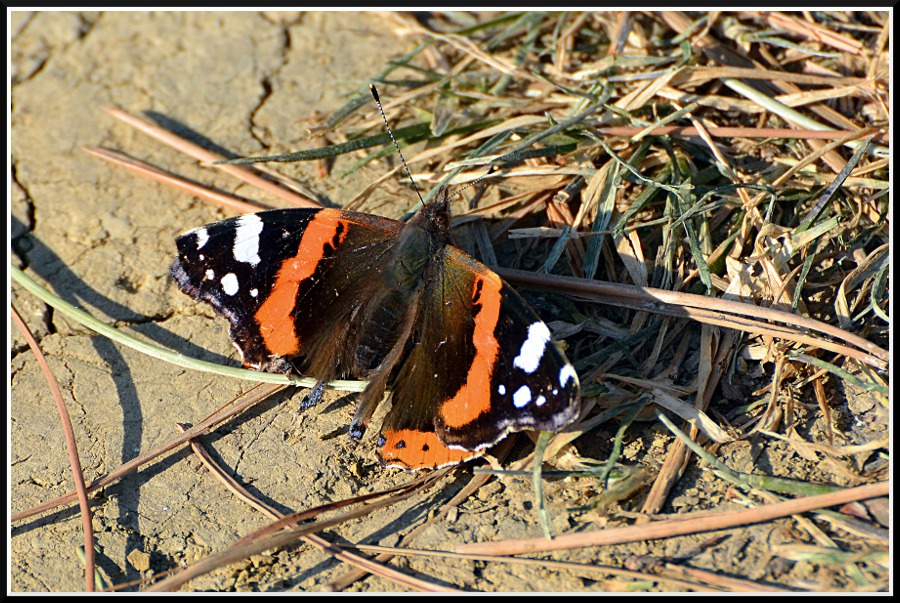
274 316
412 449
474 397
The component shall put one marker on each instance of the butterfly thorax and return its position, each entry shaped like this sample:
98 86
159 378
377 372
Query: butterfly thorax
421 242
407 274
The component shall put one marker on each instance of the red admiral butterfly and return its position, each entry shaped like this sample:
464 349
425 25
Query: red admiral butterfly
336 294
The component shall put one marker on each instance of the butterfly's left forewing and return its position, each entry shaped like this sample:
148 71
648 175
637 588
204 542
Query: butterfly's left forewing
288 281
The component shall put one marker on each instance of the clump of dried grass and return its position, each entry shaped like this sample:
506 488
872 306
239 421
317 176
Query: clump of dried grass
734 156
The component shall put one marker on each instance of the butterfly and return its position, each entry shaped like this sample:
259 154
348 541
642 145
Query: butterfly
337 294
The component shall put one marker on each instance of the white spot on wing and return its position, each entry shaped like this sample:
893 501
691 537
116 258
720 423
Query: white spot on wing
210 275
202 237
254 292
567 373
540 400
522 396
501 390
532 350
230 284
246 239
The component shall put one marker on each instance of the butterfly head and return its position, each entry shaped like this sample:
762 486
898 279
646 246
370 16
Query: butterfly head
434 217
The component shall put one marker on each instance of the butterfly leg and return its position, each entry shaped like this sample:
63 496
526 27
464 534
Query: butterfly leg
313 396
368 402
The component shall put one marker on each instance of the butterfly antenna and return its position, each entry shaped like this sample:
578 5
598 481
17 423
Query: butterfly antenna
493 169
394 140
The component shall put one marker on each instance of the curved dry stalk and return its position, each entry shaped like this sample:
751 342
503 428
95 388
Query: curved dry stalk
361 563
71 447
240 404
287 530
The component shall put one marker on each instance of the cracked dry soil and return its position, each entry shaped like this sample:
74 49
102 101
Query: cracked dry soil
104 239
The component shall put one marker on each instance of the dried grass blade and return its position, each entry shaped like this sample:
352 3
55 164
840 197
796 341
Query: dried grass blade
813 31
468 47
698 75
731 314
692 523
197 190
204 155
693 415
600 192
747 132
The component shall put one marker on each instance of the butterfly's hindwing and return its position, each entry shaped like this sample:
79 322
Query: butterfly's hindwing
481 364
